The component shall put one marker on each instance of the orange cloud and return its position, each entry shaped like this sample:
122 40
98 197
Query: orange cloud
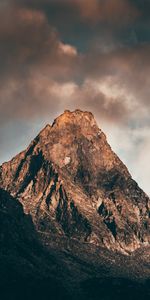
111 11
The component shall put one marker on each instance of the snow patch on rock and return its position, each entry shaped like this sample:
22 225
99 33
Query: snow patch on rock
67 160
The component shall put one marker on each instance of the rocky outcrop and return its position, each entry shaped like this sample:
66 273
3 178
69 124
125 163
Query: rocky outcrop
27 270
86 272
76 188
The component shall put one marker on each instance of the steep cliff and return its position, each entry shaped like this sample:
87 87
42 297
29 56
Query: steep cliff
76 188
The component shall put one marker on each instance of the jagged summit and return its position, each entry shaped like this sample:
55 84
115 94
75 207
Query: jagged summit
74 117
82 122
76 188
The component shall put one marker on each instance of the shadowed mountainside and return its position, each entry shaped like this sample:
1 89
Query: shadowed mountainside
73 185
25 267
30 271
74 222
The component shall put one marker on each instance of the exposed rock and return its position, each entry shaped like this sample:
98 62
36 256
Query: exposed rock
85 272
70 213
74 186
26 269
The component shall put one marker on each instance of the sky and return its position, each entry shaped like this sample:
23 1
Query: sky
66 54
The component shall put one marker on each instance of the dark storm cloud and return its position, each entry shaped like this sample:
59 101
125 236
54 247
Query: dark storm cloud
80 20
36 63
32 56
28 40
92 10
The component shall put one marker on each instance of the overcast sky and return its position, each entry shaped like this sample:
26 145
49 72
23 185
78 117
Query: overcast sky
68 54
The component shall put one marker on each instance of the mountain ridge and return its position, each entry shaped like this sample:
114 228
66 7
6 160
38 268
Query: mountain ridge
74 186
75 225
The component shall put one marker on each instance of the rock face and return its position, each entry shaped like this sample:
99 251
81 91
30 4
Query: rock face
26 269
86 272
76 188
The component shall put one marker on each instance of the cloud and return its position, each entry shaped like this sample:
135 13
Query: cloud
37 69
91 96
67 49
42 72
110 11
125 70
32 59
141 171
132 144
28 40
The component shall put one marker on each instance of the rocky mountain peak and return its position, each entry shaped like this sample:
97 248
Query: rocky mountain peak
76 123
75 187
69 125
75 117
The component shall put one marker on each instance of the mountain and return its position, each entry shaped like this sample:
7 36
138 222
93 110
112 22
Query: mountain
25 267
73 205
74 186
